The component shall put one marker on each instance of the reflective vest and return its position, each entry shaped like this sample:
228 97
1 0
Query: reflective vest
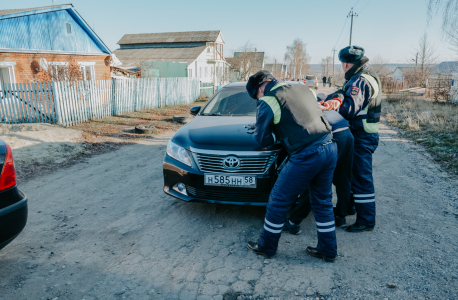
370 115
298 119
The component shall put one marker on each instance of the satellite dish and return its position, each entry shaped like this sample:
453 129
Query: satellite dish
44 64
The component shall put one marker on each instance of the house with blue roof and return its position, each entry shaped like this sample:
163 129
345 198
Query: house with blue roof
50 43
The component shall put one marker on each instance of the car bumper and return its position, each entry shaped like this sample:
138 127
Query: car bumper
176 172
13 217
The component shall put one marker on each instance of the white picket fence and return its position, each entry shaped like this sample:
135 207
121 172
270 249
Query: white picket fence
70 103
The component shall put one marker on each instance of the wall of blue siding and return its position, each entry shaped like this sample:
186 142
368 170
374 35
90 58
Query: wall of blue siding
46 32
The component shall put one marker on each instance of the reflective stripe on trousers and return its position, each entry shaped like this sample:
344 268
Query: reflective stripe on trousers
313 167
363 193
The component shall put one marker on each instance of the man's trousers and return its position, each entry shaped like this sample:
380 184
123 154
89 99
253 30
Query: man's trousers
363 192
341 180
309 167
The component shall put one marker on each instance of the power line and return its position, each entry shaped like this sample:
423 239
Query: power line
341 32
356 3
365 6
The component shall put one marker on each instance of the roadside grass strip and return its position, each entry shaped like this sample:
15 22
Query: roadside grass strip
432 124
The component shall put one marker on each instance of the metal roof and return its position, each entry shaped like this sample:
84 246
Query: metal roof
446 67
44 29
170 37
21 10
132 57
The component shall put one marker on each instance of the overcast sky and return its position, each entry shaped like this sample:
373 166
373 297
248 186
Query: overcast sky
390 28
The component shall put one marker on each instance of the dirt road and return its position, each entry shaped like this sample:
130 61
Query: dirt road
103 229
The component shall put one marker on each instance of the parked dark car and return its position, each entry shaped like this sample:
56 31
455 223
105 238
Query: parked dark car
216 159
13 203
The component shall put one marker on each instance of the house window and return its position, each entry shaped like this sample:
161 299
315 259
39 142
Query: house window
7 72
69 28
58 70
87 70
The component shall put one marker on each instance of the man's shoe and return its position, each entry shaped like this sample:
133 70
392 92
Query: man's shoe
293 229
253 246
340 222
359 228
313 252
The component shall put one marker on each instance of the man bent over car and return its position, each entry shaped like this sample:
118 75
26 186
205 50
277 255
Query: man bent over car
293 114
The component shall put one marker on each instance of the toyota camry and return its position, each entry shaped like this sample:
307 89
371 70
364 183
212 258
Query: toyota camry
215 157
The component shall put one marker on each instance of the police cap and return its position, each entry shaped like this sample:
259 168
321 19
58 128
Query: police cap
255 81
351 54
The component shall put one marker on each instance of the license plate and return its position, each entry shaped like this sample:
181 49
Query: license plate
231 180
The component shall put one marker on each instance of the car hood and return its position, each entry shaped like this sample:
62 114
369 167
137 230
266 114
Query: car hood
218 133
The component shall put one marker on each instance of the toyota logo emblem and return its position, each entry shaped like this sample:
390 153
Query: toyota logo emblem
231 163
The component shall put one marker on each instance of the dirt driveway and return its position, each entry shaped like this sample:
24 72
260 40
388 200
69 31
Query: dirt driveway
103 229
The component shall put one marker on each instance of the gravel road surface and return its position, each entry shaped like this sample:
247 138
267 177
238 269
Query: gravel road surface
104 229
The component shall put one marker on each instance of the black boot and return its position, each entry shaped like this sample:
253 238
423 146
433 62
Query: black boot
313 252
253 246
359 228
293 229
340 222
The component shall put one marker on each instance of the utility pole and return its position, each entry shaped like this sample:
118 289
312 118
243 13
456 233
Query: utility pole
351 14
416 60
333 55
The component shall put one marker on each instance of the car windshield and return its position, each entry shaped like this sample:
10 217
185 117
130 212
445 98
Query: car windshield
310 77
231 101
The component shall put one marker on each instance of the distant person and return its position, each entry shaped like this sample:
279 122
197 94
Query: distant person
324 80
330 81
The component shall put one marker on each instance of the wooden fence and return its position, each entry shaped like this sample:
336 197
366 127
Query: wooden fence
392 86
69 103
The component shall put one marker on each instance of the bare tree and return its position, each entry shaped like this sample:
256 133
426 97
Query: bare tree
245 61
326 66
296 55
449 11
379 65
418 74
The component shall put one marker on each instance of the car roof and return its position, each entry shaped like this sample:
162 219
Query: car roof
234 84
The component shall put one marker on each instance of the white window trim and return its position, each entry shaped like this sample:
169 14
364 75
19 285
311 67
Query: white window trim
57 63
10 65
85 64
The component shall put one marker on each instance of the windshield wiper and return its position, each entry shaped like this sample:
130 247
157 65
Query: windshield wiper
213 114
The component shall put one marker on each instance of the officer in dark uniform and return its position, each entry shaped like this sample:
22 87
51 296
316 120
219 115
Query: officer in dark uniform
341 180
292 112
359 102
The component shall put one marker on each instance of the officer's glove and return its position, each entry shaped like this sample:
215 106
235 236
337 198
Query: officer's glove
338 94
333 104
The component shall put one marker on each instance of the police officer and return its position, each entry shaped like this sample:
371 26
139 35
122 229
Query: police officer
341 179
293 114
359 102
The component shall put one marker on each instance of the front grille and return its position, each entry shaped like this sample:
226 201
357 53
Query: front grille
253 164
227 195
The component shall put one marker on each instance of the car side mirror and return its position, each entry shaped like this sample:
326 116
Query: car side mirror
194 110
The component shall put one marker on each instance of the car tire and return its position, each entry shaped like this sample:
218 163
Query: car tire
181 119
147 128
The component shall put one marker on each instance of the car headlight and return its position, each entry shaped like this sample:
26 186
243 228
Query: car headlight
179 153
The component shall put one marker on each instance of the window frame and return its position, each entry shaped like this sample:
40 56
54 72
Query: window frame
84 64
67 24
51 66
10 66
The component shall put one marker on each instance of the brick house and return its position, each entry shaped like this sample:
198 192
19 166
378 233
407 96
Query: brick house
50 43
